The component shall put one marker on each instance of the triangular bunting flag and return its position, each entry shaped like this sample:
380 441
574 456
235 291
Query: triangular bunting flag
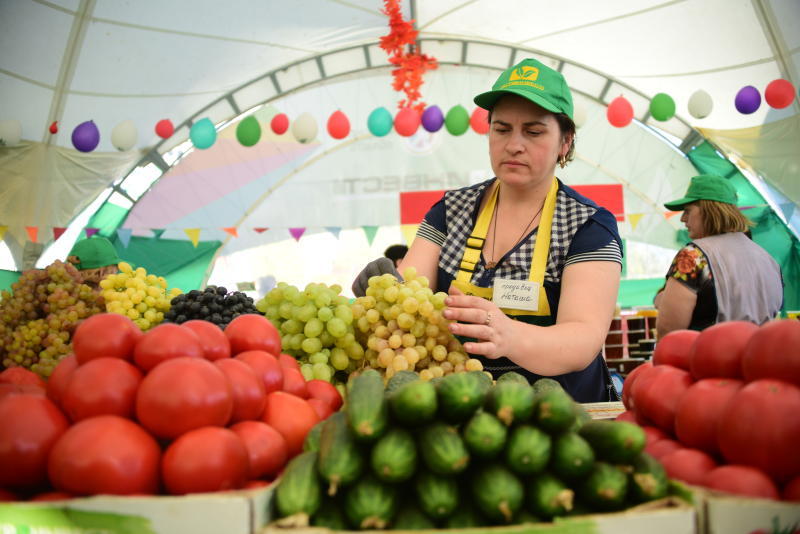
297 233
669 214
260 229
787 209
158 232
634 218
334 230
3 232
33 232
58 232
231 231
194 235
124 235
91 231
370 231
409 232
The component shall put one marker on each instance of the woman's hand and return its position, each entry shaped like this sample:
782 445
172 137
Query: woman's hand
480 319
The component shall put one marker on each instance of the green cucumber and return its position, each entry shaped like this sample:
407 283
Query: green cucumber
604 488
497 492
340 460
400 378
409 517
648 481
369 504
311 443
511 401
528 450
572 456
330 515
581 417
525 516
394 456
484 435
443 450
616 442
485 378
436 495
414 403
512 376
555 411
542 385
548 497
460 395
299 492
367 408
465 517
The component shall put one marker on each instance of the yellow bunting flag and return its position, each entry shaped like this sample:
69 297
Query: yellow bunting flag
634 218
194 235
669 214
3 232
231 231
33 232
409 232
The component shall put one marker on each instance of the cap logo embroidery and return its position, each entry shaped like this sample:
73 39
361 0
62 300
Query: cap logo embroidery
524 73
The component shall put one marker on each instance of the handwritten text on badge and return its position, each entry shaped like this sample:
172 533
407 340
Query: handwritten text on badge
516 294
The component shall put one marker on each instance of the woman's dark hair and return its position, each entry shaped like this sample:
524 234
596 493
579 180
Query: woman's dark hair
396 252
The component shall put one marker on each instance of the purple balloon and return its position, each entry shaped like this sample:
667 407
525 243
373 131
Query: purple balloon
748 100
86 136
432 118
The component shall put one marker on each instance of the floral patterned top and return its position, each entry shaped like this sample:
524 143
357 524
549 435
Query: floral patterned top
690 268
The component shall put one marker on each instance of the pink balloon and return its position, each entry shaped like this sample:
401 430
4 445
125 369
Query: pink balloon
280 123
779 93
338 125
164 128
406 122
479 120
619 112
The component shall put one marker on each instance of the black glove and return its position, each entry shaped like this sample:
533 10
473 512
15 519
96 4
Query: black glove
373 268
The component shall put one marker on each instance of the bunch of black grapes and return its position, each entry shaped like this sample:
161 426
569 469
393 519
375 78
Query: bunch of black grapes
213 304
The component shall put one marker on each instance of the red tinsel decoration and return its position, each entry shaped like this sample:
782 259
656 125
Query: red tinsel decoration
411 66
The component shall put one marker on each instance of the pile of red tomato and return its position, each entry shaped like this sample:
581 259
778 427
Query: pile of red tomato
721 407
180 409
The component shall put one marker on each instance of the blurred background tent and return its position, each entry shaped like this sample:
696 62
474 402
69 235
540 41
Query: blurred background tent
301 206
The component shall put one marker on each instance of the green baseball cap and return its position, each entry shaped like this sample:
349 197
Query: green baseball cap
94 253
705 187
535 81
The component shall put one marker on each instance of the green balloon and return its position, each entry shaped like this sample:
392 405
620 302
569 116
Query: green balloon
380 122
248 132
662 107
457 120
203 134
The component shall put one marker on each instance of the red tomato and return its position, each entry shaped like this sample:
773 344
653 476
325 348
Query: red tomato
674 348
689 465
105 454
52 496
256 484
658 393
700 410
653 434
760 427
717 351
627 384
103 386
742 480
213 340
164 342
321 407
266 366
294 382
183 394
325 391
294 428
249 397
288 361
253 332
662 447
21 376
106 335
791 491
7 496
205 459
59 378
628 416
20 389
266 448
774 352
29 426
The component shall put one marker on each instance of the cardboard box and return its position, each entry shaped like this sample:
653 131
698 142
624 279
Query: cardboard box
730 514
235 512
603 410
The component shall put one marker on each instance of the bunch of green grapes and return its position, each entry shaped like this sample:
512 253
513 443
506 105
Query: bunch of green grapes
142 297
38 317
402 326
316 327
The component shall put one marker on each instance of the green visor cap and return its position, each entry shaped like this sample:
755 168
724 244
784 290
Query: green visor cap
94 253
705 187
535 81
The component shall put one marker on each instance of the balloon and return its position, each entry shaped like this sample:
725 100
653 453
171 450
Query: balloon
578 114
662 107
457 120
248 131
10 132
748 100
406 122
432 119
86 136
700 104
619 112
338 125
779 93
304 128
279 123
379 122
124 135
54 127
164 128
479 120
203 134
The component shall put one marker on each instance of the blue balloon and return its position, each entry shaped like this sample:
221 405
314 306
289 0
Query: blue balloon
380 122
203 134
432 119
86 136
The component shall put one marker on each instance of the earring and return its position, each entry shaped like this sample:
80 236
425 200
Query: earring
562 161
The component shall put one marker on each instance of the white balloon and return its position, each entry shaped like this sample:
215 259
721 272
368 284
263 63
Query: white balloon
10 132
700 104
578 114
304 128
124 135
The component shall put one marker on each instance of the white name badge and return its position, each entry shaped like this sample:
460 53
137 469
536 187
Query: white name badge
516 294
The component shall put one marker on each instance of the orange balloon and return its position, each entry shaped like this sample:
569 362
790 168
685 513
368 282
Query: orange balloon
407 122
619 112
338 125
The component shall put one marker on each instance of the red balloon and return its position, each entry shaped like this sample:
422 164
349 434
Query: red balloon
164 128
407 122
279 123
479 120
620 112
54 127
338 125
779 93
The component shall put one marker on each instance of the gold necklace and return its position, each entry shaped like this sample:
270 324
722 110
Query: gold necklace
492 264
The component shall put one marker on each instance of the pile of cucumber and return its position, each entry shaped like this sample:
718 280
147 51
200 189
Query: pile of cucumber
462 452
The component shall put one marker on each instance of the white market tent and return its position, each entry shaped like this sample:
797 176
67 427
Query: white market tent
73 61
